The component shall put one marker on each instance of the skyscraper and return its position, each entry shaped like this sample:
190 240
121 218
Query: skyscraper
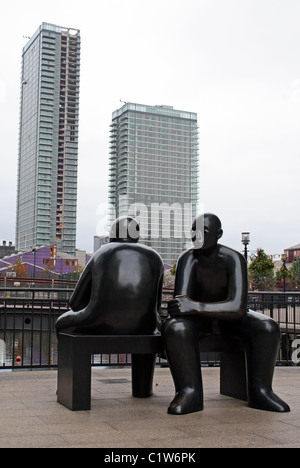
48 139
154 173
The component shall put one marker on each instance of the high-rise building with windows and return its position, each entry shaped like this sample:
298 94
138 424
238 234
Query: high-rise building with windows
48 139
154 173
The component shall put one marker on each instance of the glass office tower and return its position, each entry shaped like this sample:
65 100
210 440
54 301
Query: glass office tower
48 140
154 173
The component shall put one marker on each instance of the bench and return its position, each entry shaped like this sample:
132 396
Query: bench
74 364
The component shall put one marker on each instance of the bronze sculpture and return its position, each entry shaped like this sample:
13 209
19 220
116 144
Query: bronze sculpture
210 297
119 292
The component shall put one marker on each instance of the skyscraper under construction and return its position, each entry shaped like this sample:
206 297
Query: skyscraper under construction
48 139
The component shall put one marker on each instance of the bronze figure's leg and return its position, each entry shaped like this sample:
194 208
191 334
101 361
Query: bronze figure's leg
182 349
261 338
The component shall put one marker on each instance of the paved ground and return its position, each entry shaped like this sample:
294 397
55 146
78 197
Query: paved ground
31 417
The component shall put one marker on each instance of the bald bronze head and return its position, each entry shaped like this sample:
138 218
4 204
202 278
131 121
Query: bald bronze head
124 229
206 231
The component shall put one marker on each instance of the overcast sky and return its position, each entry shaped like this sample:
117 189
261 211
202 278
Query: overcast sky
233 62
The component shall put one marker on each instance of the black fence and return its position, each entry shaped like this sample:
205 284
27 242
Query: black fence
284 308
28 337
27 325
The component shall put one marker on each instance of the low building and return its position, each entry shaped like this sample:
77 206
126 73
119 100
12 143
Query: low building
6 248
292 253
42 262
83 257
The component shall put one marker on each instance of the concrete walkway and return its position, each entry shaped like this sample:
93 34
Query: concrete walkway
31 417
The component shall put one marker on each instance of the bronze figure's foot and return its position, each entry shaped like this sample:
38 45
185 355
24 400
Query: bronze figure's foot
186 401
268 401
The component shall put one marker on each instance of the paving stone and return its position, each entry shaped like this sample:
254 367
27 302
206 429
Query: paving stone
30 416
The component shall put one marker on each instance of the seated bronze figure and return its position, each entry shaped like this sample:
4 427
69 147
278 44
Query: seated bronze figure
210 297
119 292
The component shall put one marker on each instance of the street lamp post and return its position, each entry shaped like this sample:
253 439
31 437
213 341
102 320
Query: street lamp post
34 261
245 241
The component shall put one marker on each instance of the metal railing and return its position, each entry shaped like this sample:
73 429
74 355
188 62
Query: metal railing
27 325
28 316
284 308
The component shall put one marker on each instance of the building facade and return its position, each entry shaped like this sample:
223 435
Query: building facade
48 140
292 253
6 248
42 262
153 173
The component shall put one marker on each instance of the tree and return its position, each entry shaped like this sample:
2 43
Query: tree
173 269
284 274
19 268
294 280
261 271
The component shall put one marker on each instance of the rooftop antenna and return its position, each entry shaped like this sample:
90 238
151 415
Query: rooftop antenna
26 37
124 102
